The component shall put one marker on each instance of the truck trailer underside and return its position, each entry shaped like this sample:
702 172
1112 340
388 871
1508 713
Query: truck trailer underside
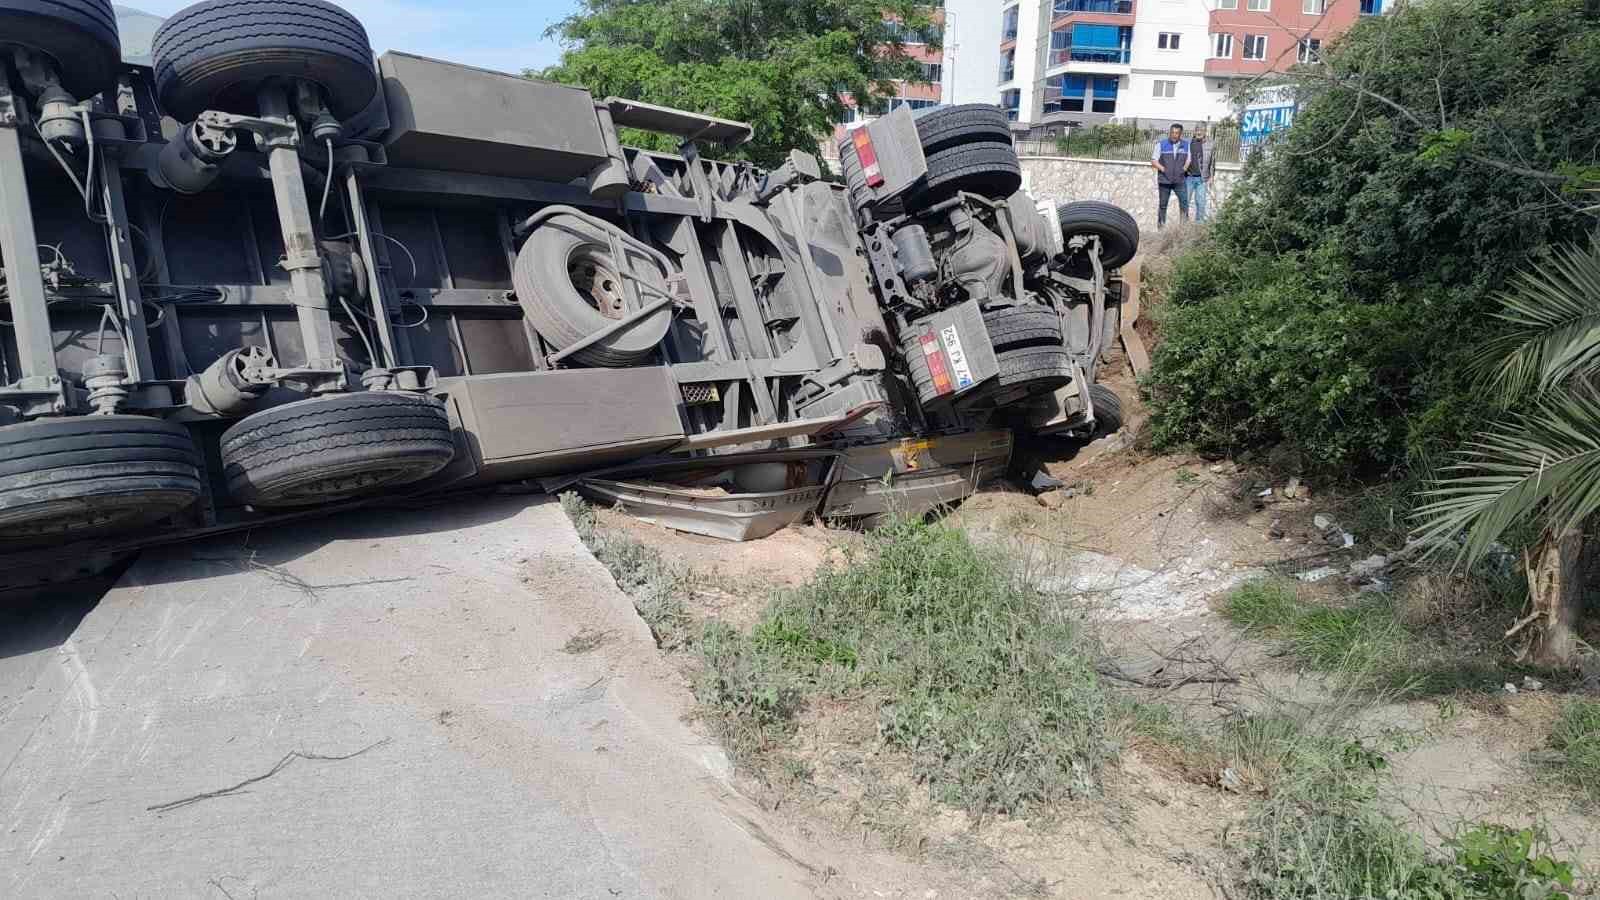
268 276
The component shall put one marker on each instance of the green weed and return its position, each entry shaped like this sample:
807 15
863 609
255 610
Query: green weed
1363 642
1576 738
659 589
987 685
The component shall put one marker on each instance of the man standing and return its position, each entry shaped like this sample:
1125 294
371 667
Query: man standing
1170 160
1202 166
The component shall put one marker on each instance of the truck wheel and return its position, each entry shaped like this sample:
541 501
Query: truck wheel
1108 417
335 447
989 169
969 123
86 476
80 35
569 288
216 54
1116 228
1015 327
1028 371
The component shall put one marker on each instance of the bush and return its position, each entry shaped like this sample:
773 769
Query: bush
1350 276
1576 742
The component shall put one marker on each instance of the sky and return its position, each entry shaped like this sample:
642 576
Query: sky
505 35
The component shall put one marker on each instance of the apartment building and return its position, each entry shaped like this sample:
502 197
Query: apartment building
920 93
1085 62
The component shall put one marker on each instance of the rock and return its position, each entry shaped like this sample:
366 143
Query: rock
1375 586
1056 499
1322 522
1292 491
1275 530
1510 688
1219 468
1529 683
1348 539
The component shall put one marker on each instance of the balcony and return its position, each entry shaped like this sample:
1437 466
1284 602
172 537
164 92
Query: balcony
1110 7
1116 56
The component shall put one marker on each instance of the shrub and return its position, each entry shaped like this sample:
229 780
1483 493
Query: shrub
1349 278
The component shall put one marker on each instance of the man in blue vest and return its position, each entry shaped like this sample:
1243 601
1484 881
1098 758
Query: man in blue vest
1170 161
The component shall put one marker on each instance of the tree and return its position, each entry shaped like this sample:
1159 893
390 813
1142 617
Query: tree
785 66
1540 466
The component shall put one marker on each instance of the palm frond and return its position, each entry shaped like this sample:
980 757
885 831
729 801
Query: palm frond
1554 314
1542 465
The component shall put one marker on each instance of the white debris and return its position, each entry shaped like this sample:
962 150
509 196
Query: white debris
1322 522
1372 565
1230 780
1349 539
1265 493
1511 688
1293 489
1529 683
1318 574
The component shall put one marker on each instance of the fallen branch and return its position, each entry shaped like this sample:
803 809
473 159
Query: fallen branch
1116 674
284 763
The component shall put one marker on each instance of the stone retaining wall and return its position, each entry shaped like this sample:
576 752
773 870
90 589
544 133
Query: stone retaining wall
1130 185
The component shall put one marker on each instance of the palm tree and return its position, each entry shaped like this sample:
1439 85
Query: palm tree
1541 465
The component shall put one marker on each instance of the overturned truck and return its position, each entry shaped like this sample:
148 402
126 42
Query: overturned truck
265 276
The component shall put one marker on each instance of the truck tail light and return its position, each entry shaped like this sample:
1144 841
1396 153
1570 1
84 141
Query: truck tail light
868 157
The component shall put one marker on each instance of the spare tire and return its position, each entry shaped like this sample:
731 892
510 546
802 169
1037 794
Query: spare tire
969 123
1117 229
63 479
217 54
989 169
570 288
79 35
336 447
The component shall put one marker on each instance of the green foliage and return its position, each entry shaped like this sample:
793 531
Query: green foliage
659 588
987 685
1096 139
1497 861
1350 278
1576 741
781 65
1363 642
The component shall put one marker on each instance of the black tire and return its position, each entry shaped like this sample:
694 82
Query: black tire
335 447
88 476
79 35
1031 325
1108 417
989 169
215 54
1032 370
563 315
969 123
1116 228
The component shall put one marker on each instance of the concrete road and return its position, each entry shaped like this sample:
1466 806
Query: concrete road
487 757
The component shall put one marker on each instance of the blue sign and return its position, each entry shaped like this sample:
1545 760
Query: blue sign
1256 124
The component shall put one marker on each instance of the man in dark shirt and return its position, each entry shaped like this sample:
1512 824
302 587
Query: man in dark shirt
1202 166
1170 160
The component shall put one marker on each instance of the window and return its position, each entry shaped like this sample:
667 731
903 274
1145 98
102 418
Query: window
1222 46
913 104
1091 43
1313 7
898 31
1008 24
1105 95
933 73
1227 4
1120 7
1064 93
1260 5
1255 46
1008 65
1011 102
1371 7
1165 89
1168 40
1311 50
